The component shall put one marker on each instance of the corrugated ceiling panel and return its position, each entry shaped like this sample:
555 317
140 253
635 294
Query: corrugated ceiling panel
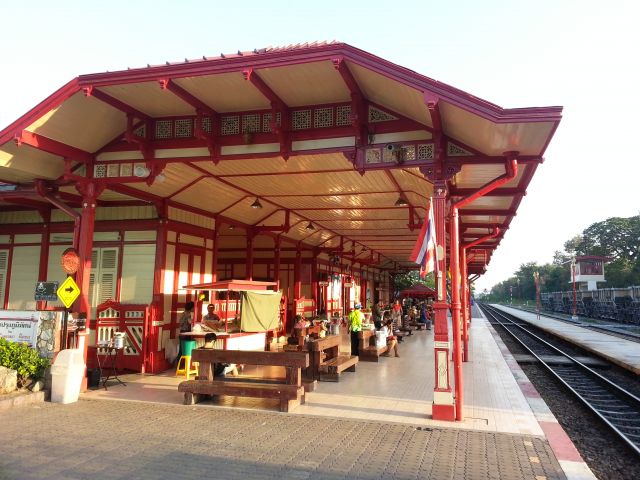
389 93
491 203
474 176
482 218
494 138
225 92
209 194
381 225
149 98
338 201
397 213
308 84
82 122
413 179
24 164
191 218
315 184
276 165
177 176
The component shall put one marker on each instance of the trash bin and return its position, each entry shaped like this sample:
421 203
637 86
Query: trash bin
66 376
186 346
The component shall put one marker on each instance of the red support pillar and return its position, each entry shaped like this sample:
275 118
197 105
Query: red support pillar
90 193
454 267
214 260
297 282
160 264
249 263
464 288
314 283
276 267
443 405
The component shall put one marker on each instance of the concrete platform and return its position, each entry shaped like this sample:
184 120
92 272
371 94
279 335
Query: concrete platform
499 400
619 351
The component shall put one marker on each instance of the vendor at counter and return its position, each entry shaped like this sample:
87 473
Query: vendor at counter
211 319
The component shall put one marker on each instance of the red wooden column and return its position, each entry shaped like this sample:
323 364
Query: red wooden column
297 281
314 283
160 264
443 405
454 267
214 260
90 193
249 263
464 303
276 266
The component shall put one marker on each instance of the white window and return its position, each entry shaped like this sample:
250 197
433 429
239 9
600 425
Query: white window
104 268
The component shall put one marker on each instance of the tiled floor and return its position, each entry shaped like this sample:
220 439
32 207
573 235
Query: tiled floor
393 390
624 353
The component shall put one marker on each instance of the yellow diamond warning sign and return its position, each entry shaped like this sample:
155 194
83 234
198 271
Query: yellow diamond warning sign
68 292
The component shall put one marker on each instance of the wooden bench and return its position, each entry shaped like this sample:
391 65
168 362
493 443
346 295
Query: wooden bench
368 351
326 361
418 325
288 390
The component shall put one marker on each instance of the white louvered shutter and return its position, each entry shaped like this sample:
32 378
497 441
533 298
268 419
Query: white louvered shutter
4 261
108 274
92 277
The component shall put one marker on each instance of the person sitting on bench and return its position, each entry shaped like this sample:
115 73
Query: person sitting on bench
392 340
219 369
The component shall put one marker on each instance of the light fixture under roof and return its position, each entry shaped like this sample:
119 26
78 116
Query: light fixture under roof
310 227
401 202
256 203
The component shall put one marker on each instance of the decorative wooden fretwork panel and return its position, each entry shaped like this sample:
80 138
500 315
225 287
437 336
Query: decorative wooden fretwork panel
230 125
206 124
266 121
99 171
373 155
126 169
251 123
425 151
377 115
301 119
164 129
141 131
183 128
455 151
343 115
323 117
408 153
113 170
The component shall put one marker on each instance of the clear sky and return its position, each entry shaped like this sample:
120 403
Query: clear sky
583 55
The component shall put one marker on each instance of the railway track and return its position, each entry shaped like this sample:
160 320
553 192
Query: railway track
615 406
615 330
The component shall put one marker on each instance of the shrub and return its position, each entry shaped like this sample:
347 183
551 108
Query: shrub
26 361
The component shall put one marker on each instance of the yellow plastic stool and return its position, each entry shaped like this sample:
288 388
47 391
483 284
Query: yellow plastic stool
188 368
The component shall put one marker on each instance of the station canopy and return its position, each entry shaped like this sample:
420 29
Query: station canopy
335 140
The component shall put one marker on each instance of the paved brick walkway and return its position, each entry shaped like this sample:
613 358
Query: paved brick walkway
136 440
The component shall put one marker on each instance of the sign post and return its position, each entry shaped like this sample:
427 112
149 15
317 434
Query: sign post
69 290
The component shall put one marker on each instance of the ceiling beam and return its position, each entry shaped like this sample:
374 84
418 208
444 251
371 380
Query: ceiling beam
190 99
115 103
52 146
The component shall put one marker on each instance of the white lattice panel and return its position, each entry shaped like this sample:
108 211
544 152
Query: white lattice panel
266 121
163 128
230 125
343 115
183 128
323 117
99 171
301 119
455 151
251 123
425 151
377 115
126 169
373 155
206 124
113 170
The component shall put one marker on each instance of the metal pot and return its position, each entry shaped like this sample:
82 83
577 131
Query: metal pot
334 329
118 340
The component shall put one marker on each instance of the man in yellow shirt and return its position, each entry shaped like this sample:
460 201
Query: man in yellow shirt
355 325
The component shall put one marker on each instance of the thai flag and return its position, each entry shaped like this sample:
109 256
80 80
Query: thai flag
424 251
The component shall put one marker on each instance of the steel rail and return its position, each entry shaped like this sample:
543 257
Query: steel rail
610 329
619 410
